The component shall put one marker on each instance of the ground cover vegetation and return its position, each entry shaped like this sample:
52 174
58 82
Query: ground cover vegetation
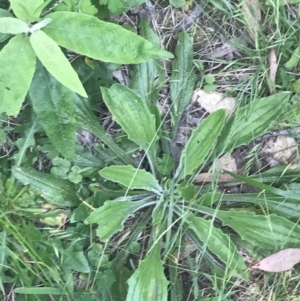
149 150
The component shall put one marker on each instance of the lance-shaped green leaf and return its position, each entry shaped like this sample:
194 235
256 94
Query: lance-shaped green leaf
13 25
131 112
111 217
251 121
282 206
28 10
131 177
217 242
17 61
86 119
54 105
200 144
100 40
266 231
55 61
148 78
149 282
183 78
54 190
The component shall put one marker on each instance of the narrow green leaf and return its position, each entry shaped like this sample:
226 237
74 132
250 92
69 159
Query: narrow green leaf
38 290
13 25
248 180
111 217
201 142
100 40
149 282
271 232
183 78
55 108
131 177
86 119
148 78
54 190
288 208
251 121
131 112
217 242
27 10
17 61
55 61
294 60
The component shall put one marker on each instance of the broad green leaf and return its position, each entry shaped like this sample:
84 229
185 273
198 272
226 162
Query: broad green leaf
13 26
120 6
77 261
271 232
200 144
131 177
55 61
84 158
86 119
27 10
38 290
100 40
54 190
3 14
149 282
148 78
131 112
177 3
183 79
111 217
17 61
54 105
251 121
217 242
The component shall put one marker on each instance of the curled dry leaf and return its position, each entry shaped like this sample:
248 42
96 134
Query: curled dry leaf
252 14
282 150
212 102
281 261
273 69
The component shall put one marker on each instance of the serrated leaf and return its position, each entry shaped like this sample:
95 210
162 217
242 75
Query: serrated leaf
148 78
17 61
119 6
54 190
149 282
87 120
251 121
200 144
270 232
55 61
27 139
55 108
131 112
83 6
217 242
183 78
131 177
111 216
87 35
13 26
27 10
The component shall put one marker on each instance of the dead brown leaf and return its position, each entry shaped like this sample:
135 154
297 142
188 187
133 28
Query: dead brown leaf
281 261
252 14
273 69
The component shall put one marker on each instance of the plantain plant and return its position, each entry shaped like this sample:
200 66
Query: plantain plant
103 189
